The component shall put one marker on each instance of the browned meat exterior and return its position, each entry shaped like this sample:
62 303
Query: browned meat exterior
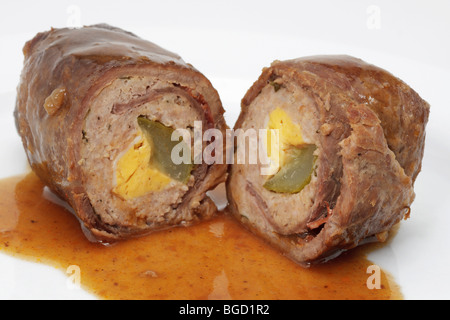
81 94
368 128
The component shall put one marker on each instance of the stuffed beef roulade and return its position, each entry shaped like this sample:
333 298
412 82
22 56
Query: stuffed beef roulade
349 147
96 109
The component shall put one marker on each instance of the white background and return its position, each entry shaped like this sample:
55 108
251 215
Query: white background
230 42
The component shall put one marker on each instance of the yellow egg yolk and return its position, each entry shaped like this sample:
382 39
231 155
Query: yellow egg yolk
134 174
289 135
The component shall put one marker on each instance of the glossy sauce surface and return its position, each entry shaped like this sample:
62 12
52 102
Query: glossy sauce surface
216 259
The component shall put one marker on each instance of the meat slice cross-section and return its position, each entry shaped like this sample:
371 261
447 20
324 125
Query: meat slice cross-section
96 109
350 148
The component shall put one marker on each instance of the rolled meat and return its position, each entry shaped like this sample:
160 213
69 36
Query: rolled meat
96 109
351 141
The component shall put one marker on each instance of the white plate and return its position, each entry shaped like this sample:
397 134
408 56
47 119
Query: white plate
230 43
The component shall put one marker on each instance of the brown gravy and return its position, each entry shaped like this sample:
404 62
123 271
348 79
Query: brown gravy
217 259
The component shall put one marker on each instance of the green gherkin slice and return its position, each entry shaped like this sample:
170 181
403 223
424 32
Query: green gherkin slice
159 138
295 174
